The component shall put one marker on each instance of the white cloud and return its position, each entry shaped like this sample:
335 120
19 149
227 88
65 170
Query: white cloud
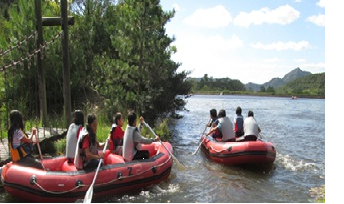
296 46
282 15
317 20
202 48
209 18
321 3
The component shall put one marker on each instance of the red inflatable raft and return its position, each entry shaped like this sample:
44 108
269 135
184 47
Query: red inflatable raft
61 182
237 153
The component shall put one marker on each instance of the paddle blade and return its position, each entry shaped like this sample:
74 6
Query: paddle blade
180 166
89 194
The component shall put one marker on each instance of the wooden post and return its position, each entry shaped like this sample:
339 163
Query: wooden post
64 21
66 69
41 71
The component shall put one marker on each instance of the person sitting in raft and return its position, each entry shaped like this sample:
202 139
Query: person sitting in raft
133 139
213 123
225 127
213 118
90 145
20 143
116 132
238 123
73 133
251 128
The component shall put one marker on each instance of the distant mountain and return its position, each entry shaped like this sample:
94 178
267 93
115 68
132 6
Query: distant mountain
313 84
278 82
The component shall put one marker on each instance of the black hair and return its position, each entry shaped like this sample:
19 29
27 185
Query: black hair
222 113
250 113
238 110
131 118
16 122
90 119
116 117
213 112
78 117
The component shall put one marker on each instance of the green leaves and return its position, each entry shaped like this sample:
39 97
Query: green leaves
120 50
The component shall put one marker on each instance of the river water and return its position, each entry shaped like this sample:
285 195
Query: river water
295 127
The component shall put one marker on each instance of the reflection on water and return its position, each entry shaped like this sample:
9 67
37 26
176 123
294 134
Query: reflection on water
295 127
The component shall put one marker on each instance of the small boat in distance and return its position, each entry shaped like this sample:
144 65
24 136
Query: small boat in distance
293 97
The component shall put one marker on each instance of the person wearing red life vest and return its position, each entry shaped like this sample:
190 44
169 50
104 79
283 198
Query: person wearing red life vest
90 144
117 133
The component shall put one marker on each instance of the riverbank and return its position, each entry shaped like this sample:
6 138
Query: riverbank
267 94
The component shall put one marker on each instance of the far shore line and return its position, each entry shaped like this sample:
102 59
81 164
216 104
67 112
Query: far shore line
260 94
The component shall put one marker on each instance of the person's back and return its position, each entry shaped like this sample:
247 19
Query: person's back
227 132
238 123
71 140
72 134
251 128
224 127
129 149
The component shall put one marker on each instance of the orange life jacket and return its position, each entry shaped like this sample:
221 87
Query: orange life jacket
19 152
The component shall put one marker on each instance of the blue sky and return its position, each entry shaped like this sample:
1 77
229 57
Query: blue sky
248 40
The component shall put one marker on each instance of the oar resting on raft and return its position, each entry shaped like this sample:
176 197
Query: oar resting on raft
180 166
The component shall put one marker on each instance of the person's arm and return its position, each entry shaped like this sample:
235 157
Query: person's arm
33 132
23 138
86 146
212 130
138 138
141 124
89 155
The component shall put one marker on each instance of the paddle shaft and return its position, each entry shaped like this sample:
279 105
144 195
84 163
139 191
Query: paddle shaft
202 140
89 193
179 165
38 146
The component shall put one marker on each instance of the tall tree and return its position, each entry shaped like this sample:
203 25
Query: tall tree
145 50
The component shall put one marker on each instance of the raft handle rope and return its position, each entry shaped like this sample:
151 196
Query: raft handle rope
34 181
229 148
80 184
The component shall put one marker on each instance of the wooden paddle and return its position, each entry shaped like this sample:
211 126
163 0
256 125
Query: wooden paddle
180 166
89 193
202 140
39 147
